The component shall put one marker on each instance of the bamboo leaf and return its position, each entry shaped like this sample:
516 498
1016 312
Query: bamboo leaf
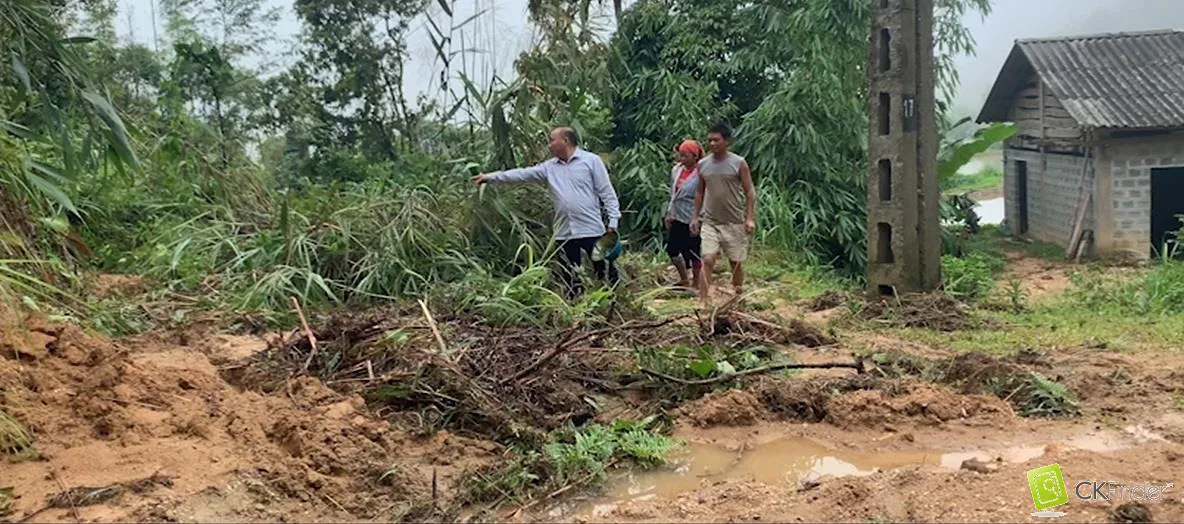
22 72
46 170
440 53
120 140
71 159
472 88
320 282
452 112
15 129
78 40
436 28
473 50
469 19
177 253
47 188
447 8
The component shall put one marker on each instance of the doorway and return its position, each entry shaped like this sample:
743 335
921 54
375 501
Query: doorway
1167 201
1021 190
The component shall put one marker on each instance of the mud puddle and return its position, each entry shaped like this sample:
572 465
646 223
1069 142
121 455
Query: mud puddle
795 462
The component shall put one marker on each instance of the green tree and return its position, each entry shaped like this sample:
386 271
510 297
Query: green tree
790 76
354 66
240 29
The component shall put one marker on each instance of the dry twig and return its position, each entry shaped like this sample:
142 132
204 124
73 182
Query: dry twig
435 328
567 343
312 339
857 366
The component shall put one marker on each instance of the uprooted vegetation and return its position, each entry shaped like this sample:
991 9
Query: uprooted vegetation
555 401
896 386
100 406
14 440
1014 379
936 311
461 372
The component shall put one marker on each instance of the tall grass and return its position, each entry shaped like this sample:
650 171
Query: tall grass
335 243
1156 291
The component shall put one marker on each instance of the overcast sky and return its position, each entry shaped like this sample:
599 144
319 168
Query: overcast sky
1014 19
505 32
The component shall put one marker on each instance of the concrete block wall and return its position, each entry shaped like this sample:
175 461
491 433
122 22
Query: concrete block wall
1054 191
1131 162
904 240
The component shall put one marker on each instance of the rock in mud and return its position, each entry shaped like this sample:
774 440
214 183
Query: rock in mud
979 466
808 484
1131 512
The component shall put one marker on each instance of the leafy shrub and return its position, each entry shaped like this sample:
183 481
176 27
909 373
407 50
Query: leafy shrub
587 452
572 456
1047 398
969 277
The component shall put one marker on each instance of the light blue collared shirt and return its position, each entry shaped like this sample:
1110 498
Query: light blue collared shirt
580 190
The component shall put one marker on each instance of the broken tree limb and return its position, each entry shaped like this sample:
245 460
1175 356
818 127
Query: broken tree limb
312 339
857 366
723 308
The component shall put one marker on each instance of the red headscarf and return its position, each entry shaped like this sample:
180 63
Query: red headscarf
693 148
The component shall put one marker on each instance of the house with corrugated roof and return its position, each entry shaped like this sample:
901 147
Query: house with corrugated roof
1097 163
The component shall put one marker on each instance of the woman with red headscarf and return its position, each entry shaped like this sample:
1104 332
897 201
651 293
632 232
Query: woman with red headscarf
681 244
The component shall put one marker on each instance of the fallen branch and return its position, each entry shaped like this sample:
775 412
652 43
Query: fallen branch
857 365
435 328
721 309
568 343
88 496
312 339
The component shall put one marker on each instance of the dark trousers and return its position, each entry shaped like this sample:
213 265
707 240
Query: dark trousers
681 243
570 257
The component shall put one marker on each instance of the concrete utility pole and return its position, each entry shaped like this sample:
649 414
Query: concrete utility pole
904 235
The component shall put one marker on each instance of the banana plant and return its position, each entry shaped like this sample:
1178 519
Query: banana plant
954 154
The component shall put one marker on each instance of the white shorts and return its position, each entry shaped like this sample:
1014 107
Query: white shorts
732 238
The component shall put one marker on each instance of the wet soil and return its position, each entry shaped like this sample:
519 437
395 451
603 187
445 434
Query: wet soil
949 450
106 414
805 473
206 426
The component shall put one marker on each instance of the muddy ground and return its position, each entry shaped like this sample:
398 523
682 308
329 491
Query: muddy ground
200 425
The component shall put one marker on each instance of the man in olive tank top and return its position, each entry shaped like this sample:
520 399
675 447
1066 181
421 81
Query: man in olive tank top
724 212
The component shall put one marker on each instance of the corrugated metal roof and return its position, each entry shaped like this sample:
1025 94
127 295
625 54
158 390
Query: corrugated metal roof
1113 80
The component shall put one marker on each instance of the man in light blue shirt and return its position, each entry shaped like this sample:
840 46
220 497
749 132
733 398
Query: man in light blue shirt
582 195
